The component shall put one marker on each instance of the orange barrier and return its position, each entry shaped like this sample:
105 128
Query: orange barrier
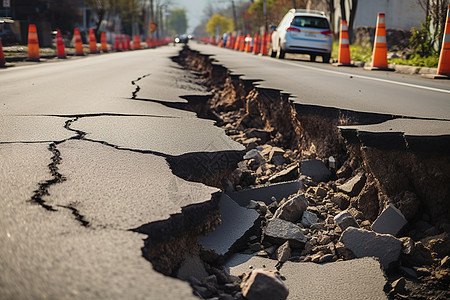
78 42
136 42
242 43
229 40
248 43
444 58
117 45
92 42
60 49
128 42
379 57
265 44
344 46
2 56
149 42
123 42
237 42
256 44
104 43
33 43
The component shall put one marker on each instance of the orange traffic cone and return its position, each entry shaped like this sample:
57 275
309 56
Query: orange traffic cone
444 59
237 42
344 47
149 42
60 49
104 43
229 40
92 42
33 43
117 43
379 57
242 43
2 56
265 44
136 42
248 43
128 42
256 44
78 42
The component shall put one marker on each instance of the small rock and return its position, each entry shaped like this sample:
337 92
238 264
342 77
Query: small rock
279 231
283 252
192 267
293 209
275 151
398 286
390 221
309 218
254 154
354 185
439 244
345 219
408 272
321 192
315 169
261 285
419 256
326 258
343 252
364 243
345 171
365 223
445 262
341 200
290 173
278 160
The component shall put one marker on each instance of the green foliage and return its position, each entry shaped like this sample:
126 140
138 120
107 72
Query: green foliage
357 52
223 23
418 61
423 40
177 21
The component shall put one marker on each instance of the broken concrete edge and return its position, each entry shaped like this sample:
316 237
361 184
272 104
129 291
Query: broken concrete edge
182 229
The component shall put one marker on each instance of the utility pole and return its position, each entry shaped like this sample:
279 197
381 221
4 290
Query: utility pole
234 15
266 25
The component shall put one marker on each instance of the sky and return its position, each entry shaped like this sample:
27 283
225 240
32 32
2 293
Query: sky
194 10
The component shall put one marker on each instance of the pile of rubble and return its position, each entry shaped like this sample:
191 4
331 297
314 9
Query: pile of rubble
330 209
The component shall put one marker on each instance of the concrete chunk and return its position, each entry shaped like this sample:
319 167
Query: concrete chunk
265 193
352 279
390 221
354 185
364 243
290 173
279 231
292 209
264 285
315 169
236 221
345 219
309 218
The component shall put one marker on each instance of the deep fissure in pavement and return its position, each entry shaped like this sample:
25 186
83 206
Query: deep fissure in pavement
399 171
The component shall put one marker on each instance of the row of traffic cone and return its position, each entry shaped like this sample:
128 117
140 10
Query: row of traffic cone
245 43
379 56
33 44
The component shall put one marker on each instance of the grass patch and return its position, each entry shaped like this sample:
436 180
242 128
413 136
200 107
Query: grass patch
417 61
357 52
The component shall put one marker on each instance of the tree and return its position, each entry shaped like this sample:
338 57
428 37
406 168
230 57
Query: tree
177 21
218 21
436 17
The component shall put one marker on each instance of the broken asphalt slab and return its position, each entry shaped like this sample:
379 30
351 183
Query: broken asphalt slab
352 279
235 222
402 133
266 193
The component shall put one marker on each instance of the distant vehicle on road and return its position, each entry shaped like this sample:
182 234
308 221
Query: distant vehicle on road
181 39
303 31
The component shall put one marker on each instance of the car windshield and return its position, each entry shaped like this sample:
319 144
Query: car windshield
313 22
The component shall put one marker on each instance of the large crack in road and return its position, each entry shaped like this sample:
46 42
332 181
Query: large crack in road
257 118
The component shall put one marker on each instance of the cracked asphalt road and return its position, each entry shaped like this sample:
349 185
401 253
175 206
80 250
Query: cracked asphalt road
77 120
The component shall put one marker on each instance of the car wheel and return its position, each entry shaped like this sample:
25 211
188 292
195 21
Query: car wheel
312 58
272 52
326 58
280 53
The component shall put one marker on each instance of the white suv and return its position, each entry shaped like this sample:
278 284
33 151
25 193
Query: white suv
303 31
